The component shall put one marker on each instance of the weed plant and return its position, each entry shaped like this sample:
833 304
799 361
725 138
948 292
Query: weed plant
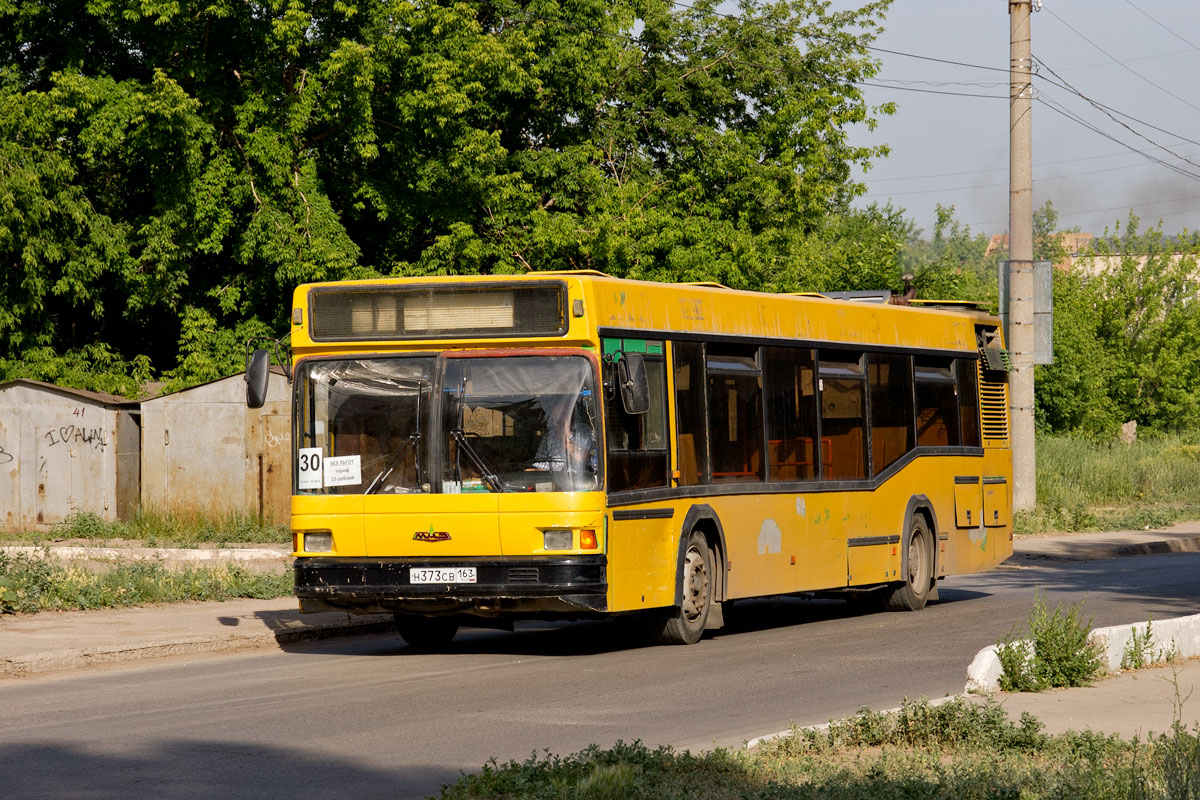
1085 484
1057 652
957 749
154 528
29 583
1140 651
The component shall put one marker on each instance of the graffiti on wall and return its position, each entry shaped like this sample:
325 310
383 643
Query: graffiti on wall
96 438
5 456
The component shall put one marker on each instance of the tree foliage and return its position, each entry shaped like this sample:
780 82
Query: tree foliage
171 169
1126 335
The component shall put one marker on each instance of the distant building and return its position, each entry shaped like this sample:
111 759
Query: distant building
64 451
1074 245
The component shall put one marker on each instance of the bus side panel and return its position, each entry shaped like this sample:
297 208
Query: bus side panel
972 544
642 556
781 543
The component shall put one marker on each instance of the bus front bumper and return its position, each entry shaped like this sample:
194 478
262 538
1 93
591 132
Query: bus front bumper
546 588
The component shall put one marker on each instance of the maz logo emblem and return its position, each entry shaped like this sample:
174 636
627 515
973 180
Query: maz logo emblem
431 536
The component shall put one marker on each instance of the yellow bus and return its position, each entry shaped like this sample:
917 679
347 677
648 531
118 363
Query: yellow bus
567 444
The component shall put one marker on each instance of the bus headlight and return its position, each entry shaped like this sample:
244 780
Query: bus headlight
318 541
557 540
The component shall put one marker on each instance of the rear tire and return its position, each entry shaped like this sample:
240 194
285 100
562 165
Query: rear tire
684 624
426 632
912 594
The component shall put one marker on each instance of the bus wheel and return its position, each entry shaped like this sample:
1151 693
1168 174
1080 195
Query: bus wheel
918 569
422 632
685 623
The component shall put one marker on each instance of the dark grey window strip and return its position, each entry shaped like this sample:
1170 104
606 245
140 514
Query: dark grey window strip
867 541
786 342
643 513
971 479
386 288
995 479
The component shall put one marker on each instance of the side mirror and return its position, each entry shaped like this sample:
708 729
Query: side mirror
258 372
633 384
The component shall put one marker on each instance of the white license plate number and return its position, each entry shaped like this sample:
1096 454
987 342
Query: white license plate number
447 575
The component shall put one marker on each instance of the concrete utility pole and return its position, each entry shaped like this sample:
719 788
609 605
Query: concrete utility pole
1020 255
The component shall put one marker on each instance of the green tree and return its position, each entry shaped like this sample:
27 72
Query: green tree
169 171
1126 336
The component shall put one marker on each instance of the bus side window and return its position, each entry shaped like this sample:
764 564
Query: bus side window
735 419
690 413
968 401
792 450
843 388
937 402
637 443
890 379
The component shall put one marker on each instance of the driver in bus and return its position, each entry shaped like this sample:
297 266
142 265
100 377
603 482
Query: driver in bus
571 458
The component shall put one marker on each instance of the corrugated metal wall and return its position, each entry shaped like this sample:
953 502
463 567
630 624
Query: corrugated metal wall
203 450
63 451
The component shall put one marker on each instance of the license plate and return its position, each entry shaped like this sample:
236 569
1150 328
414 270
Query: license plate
445 575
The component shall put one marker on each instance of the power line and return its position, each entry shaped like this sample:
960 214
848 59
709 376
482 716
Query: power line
1090 211
931 91
1058 108
779 28
1062 84
1139 134
1122 64
1042 179
1166 28
1005 168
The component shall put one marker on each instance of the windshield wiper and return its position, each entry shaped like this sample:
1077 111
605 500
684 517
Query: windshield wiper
394 462
486 473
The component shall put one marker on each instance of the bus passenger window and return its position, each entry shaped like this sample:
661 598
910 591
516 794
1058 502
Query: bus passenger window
637 443
843 416
968 401
690 413
735 414
937 402
890 378
790 377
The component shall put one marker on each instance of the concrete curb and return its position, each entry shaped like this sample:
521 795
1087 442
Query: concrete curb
305 631
1084 550
1180 635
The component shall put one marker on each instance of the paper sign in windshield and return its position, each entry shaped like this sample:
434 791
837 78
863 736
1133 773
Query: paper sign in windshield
309 472
343 471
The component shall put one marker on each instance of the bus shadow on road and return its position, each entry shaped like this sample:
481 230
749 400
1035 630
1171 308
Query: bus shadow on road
597 637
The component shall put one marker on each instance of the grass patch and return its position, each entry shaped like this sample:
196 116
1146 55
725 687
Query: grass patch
953 750
158 528
30 583
1089 485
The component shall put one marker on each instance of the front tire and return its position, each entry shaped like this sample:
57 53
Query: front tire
912 594
685 623
426 632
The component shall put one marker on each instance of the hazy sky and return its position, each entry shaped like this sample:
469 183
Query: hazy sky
1140 58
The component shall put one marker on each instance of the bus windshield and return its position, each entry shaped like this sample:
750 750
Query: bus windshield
506 424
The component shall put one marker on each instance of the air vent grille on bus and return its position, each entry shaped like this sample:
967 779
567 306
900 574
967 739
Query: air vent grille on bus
522 574
993 406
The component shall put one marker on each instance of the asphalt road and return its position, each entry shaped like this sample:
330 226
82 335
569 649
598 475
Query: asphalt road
370 718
